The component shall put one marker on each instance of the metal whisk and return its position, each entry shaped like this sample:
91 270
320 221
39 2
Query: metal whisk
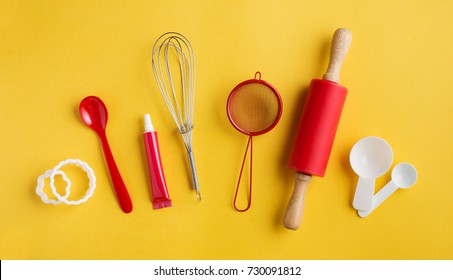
173 54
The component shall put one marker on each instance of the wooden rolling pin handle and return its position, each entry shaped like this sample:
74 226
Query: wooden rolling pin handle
295 209
340 45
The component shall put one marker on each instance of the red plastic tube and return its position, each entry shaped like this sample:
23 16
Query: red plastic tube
160 196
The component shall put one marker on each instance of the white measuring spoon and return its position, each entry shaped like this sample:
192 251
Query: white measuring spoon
404 175
370 158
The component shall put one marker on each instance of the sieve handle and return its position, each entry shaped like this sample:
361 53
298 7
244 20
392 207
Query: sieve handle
295 209
340 44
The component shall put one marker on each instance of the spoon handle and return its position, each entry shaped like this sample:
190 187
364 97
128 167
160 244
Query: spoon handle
117 181
381 195
363 197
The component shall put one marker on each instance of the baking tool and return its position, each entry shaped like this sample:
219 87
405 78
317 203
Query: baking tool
174 69
370 158
404 175
94 114
254 107
317 128
161 198
51 173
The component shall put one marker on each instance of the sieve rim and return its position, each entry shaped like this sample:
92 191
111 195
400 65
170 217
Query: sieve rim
274 91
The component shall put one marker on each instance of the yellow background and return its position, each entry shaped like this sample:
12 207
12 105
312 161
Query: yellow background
398 72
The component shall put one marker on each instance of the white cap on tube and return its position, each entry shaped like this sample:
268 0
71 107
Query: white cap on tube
148 124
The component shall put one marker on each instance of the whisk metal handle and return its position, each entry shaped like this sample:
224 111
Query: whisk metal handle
193 170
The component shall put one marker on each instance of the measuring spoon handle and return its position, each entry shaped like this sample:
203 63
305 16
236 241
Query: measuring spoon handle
364 192
381 195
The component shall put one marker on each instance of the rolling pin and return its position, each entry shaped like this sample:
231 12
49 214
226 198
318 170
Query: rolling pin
317 128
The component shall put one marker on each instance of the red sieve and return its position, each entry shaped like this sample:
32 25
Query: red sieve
254 107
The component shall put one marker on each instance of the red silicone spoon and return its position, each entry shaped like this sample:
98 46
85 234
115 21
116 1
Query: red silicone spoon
94 114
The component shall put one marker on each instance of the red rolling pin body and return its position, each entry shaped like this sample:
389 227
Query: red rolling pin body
317 127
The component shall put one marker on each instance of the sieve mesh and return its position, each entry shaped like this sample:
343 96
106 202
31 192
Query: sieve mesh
254 108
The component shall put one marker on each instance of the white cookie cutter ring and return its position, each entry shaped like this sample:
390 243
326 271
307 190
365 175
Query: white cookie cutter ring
56 171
